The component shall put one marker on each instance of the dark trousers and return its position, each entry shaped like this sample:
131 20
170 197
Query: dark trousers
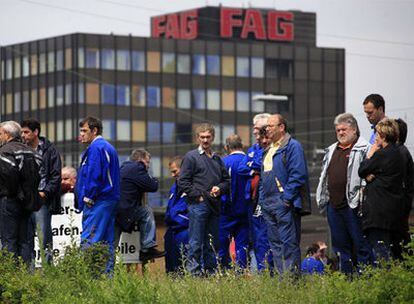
239 229
347 235
15 230
176 247
385 244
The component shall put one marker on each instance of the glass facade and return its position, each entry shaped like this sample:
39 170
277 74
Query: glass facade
153 95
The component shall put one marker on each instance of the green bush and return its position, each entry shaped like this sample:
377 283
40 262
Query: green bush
79 278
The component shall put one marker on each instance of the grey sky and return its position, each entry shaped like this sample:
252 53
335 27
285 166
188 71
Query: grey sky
378 36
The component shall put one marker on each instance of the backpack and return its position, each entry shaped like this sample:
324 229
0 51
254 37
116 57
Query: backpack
28 194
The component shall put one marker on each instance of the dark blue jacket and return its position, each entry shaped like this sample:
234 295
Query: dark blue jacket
289 176
235 204
199 173
98 175
251 163
176 216
135 181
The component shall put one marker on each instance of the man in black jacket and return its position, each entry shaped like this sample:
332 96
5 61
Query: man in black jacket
204 178
49 187
16 161
135 181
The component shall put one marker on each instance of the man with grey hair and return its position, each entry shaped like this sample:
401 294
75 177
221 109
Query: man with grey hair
19 179
339 190
250 166
135 181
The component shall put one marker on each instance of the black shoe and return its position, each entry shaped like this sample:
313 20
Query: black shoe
151 253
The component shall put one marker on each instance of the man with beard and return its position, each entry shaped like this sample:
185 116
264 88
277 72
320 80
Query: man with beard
339 192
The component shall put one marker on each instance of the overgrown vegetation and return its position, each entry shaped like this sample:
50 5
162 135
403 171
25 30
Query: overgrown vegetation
74 280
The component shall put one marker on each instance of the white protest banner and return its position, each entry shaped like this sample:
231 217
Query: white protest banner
67 229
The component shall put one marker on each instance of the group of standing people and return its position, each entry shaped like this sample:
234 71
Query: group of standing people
256 198
367 188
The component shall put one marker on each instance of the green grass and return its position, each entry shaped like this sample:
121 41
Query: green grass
73 280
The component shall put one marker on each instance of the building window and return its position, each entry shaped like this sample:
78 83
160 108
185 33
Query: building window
183 133
154 130
168 131
51 62
42 98
42 63
51 131
199 99
17 67
199 65
138 130
92 93
81 57
227 131
26 66
243 68
59 130
156 168
153 61
59 60
183 64
33 99
227 67
123 95
25 101
81 92
108 93
183 99
51 97
257 67
68 94
108 131
276 68
138 95
68 129
138 61
123 61
228 100
92 58
123 130
244 132
108 59
217 137
168 97
213 99
9 102
68 58
59 95
9 69
213 65
33 64
153 97
243 101
168 62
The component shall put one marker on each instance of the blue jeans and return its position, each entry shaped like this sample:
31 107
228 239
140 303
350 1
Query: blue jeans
203 239
239 229
283 233
346 234
145 219
381 241
42 219
15 231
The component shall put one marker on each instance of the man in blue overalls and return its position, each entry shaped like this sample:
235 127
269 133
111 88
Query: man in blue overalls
284 194
176 219
234 222
97 187
250 166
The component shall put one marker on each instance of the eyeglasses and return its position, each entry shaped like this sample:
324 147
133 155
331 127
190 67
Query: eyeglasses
273 126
